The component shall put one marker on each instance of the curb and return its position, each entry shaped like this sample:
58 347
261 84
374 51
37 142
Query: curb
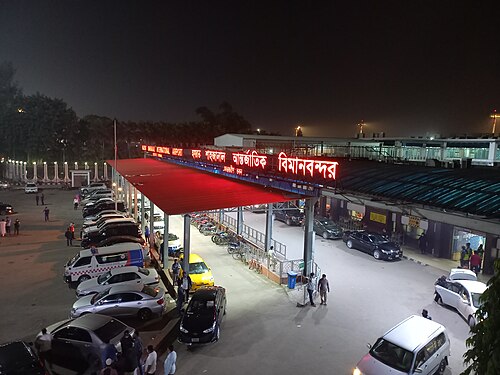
415 260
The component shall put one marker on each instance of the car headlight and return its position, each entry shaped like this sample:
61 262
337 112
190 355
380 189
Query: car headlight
386 251
357 372
208 330
182 329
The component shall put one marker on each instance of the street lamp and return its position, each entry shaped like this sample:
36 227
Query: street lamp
494 116
361 124
298 131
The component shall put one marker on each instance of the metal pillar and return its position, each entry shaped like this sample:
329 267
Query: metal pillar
187 243
165 242
135 205
35 176
45 172
269 226
151 221
308 235
239 221
143 211
56 172
96 172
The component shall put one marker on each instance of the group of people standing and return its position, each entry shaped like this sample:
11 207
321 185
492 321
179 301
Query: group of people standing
5 227
322 286
471 259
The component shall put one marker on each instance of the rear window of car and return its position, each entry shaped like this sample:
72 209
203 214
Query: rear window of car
201 306
150 291
110 330
144 271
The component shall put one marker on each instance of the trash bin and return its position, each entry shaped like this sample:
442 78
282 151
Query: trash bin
292 279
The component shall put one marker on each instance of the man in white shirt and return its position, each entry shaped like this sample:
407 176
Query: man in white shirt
150 364
169 364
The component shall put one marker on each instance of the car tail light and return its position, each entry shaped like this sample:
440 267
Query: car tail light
160 301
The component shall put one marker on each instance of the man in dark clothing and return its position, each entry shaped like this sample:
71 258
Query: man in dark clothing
126 341
42 197
46 212
69 237
37 198
422 243
17 224
131 363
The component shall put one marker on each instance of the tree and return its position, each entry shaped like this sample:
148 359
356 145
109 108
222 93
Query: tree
483 355
10 95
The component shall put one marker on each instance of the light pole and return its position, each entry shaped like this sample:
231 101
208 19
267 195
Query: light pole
116 170
494 116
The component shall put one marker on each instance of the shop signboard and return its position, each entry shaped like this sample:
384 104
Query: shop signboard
379 218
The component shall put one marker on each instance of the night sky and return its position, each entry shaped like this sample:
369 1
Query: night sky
404 67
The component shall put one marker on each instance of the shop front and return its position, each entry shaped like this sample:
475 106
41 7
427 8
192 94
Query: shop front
462 236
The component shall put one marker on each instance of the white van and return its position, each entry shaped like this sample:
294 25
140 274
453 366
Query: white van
93 262
415 346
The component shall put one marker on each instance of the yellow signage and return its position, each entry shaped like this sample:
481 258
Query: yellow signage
378 218
414 221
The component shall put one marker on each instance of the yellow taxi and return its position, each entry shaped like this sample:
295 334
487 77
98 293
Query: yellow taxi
199 272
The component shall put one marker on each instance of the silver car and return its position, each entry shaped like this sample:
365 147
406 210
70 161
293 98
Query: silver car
130 275
123 300
77 342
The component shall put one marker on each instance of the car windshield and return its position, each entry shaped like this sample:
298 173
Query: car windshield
144 271
476 300
201 307
392 355
150 291
98 296
197 268
74 259
104 277
378 238
328 223
110 330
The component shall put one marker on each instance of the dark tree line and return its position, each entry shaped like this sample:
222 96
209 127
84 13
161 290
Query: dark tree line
36 127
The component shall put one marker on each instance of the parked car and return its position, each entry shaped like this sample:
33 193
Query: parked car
462 274
174 245
199 272
257 208
100 214
97 194
138 300
462 295
107 205
375 244
290 216
326 228
6 209
30 188
200 324
75 341
4 185
86 190
113 240
19 358
116 229
105 222
130 275
88 223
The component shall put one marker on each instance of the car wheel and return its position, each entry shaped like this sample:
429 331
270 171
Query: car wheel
325 235
471 321
349 244
144 314
442 367
438 299
83 278
376 254
288 222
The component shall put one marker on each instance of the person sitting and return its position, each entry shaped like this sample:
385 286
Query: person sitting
425 314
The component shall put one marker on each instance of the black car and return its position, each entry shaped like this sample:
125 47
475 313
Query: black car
201 321
6 209
375 244
18 357
109 205
118 229
326 228
120 239
290 216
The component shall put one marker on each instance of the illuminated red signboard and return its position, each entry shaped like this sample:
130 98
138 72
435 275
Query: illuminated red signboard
238 162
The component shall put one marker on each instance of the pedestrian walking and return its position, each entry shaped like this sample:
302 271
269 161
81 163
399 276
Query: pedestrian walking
146 234
323 289
69 237
108 370
468 253
72 229
8 223
37 198
475 262
42 198
17 224
3 228
139 350
170 361
180 299
46 212
422 243
463 251
43 345
75 203
150 364
311 287
185 283
426 315
176 269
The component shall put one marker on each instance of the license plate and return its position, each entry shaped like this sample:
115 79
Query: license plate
195 339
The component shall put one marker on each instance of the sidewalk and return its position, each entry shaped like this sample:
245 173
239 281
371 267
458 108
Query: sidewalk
440 263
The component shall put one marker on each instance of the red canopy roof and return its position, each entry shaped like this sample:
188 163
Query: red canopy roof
178 190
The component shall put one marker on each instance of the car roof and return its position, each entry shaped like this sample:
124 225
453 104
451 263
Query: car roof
119 270
119 220
461 274
11 351
473 286
207 292
90 321
195 258
116 248
126 288
412 332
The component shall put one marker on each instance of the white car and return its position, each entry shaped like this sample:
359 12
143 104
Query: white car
31 188
130 275
100 214
463 295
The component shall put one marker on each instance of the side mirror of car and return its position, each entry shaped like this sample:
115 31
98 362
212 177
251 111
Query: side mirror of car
418 370
369 346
